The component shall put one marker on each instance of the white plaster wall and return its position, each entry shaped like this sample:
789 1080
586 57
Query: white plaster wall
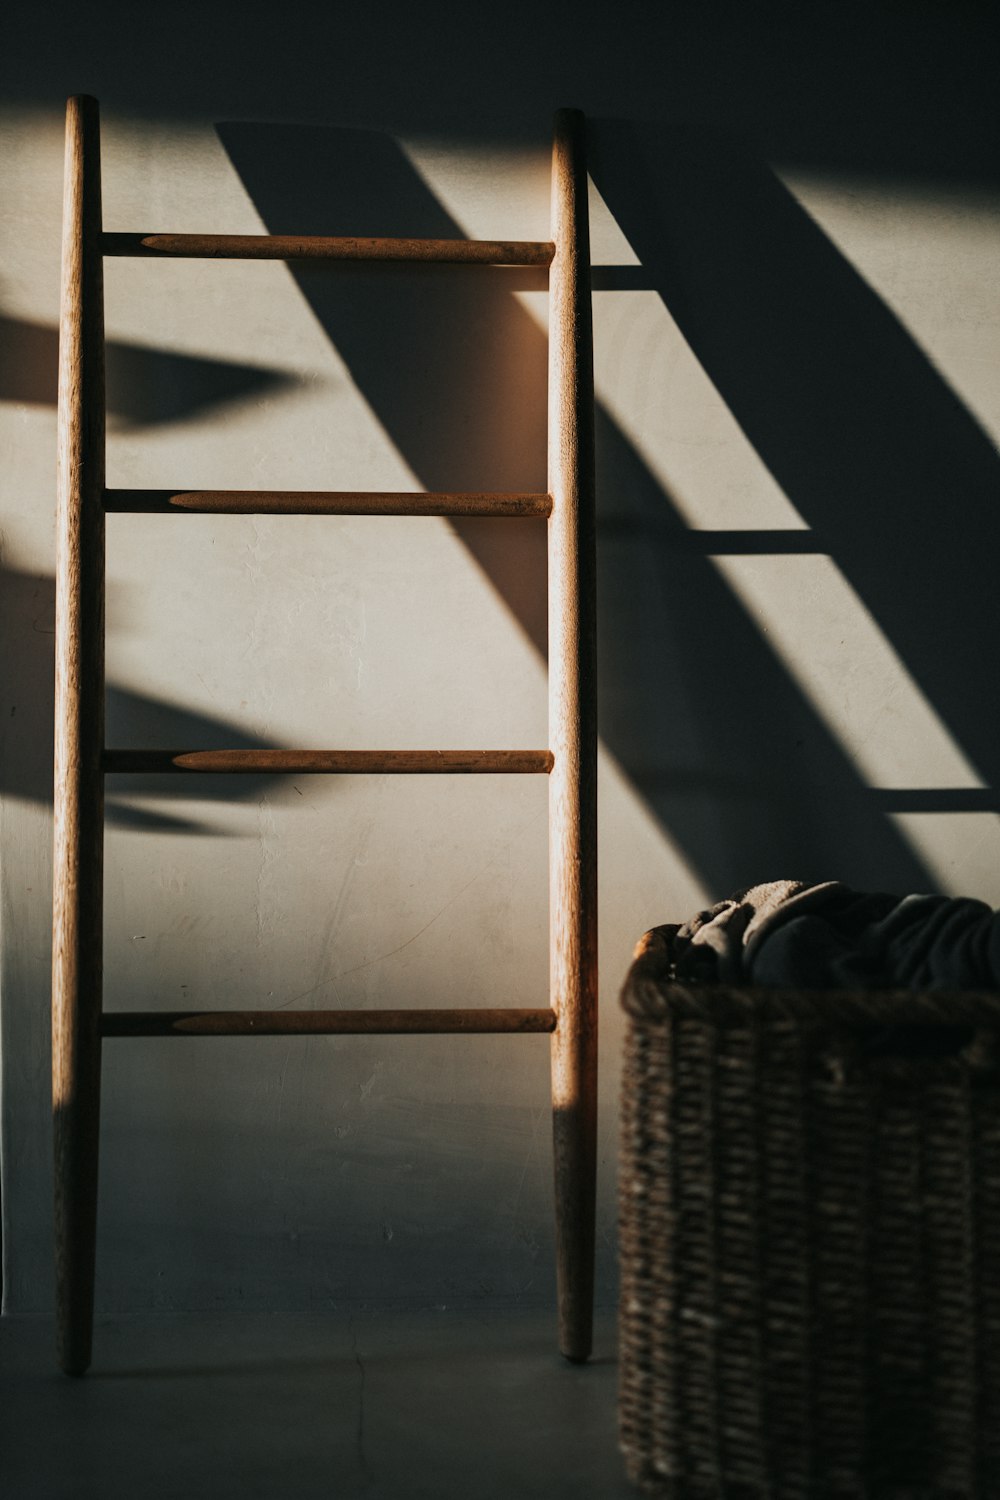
764 712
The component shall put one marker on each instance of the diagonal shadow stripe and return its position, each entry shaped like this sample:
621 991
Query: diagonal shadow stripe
890 472
454 368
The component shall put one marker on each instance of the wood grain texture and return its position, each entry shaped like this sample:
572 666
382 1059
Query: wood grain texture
572 737
327 1022
331 762
326 247
79 736
323 503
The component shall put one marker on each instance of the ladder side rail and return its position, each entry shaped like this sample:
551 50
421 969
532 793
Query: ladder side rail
572 737
79 736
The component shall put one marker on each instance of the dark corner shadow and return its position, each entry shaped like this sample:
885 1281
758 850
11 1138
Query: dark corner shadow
134 720
146 387
695 707
895 478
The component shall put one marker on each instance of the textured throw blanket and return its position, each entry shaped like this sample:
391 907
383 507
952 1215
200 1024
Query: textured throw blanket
790 935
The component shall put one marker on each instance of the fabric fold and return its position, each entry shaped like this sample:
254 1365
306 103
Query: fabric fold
787 934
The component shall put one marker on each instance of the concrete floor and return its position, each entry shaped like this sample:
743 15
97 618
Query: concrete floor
344 1406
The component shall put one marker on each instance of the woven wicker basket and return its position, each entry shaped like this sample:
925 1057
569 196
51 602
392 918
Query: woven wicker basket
810 1243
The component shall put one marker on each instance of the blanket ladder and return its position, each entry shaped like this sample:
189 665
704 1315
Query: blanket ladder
82 760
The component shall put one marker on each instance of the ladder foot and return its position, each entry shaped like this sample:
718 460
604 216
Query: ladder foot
76 1165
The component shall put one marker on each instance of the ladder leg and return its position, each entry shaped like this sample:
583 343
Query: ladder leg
572 739
79 737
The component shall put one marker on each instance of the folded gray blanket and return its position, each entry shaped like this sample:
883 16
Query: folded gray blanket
790 935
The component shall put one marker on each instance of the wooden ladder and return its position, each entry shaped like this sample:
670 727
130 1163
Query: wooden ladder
82 760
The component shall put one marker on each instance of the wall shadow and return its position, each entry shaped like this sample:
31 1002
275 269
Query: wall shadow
134 720
863 435
887 88
695 707
895 478
145 386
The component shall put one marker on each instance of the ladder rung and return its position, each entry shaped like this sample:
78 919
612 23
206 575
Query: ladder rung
336 762
326 247
325 503
324 1022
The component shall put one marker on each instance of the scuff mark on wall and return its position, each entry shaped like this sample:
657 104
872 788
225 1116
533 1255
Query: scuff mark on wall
381 957
364 1089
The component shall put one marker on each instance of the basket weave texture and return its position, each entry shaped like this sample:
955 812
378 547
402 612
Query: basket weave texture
810 1243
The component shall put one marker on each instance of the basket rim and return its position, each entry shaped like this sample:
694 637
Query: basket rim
651 994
